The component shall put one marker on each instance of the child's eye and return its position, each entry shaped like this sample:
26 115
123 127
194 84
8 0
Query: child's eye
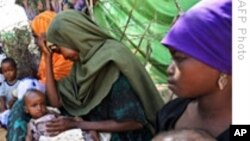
34 105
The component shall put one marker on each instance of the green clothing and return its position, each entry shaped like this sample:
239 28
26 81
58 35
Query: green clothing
121 104
102 59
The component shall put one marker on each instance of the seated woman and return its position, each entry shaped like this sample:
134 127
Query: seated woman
107 87
201 43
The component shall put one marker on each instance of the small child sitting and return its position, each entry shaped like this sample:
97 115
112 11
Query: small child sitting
35 106
8 88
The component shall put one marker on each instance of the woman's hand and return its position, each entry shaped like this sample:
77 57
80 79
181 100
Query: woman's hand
61 124
42 44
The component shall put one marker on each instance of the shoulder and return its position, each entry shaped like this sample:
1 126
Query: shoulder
170 112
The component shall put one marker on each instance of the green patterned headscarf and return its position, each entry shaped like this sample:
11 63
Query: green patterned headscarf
102 59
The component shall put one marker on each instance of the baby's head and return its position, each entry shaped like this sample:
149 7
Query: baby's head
184 135
35 103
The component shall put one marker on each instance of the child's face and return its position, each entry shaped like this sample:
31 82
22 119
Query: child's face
189 77
9 71
35 105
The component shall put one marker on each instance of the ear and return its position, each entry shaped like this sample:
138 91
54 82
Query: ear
222 81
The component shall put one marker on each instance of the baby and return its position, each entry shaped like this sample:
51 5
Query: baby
35 106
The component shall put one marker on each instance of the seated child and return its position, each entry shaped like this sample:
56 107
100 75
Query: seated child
184 135
35 106
7 88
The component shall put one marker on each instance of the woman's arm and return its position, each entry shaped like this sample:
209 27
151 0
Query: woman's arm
110 125
50 81
64 123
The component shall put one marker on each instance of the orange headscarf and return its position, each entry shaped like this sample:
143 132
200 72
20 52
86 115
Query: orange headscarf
61 67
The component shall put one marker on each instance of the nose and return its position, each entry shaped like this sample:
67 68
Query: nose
39 108
171 69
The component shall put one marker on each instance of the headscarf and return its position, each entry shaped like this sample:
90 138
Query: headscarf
61 67
41 22
102 59
205 33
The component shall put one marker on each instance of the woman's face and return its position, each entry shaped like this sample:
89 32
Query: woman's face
190 78
68 54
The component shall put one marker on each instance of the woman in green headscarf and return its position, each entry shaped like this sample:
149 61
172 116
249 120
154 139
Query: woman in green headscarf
108 87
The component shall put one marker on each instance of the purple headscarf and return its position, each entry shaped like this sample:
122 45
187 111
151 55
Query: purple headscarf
205 33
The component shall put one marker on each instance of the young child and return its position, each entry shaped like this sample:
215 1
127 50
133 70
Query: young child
35 106
7 88
184 135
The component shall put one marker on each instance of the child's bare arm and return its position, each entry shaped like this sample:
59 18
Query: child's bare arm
2 104
11 102
29 133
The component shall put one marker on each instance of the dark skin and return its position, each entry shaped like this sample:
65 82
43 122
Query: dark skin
2 104
64 123
9 72
211 108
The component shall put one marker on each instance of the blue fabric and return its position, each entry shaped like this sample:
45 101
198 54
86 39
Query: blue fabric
17 124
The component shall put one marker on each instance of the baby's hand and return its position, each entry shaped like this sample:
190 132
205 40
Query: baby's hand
29 132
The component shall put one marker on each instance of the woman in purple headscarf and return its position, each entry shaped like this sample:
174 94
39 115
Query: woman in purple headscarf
201 45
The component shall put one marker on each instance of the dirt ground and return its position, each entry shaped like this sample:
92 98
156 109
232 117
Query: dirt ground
2 134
